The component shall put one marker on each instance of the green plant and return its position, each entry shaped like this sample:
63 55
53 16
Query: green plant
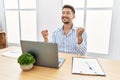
26 59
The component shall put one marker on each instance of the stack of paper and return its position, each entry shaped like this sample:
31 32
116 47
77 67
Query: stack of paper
13 53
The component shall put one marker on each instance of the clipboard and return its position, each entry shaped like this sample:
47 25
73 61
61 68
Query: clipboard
87 66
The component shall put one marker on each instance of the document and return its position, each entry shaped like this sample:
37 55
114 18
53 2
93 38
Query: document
88 66
13 53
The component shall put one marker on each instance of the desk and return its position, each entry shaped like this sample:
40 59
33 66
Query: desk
10 70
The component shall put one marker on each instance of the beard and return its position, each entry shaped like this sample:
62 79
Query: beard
65 20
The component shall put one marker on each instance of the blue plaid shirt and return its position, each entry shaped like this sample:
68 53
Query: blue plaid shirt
69 43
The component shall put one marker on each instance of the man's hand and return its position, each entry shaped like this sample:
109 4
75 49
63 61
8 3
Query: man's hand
45 35
79 32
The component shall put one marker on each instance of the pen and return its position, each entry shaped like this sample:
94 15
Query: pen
89 65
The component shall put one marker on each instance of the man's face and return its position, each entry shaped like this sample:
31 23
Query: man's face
67 15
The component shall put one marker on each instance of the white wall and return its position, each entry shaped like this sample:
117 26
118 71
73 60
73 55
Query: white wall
48 15
2 22
0 11
114 51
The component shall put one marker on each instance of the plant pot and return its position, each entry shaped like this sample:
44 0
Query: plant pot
26 67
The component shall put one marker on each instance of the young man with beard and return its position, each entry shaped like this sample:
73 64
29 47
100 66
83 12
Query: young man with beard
70 39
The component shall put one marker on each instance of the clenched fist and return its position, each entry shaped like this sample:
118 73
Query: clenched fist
79 32
45 35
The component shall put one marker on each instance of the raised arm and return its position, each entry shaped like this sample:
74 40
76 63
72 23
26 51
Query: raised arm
82 41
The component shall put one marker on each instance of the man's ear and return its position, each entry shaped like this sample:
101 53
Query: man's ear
73 16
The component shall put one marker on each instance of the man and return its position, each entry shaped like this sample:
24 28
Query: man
69 38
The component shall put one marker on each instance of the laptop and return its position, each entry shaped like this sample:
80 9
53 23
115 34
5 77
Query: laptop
46 54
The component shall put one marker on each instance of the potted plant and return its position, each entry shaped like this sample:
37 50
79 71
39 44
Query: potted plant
26 61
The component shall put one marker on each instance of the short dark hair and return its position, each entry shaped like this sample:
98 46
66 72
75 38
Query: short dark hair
70 7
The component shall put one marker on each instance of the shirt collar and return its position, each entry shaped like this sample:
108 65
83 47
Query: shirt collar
73 27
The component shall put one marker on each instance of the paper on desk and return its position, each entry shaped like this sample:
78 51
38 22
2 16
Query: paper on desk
13 53
87 66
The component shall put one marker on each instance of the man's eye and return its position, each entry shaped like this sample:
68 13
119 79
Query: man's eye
67 12
63 12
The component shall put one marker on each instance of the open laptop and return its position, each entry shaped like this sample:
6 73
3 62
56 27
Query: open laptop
46 54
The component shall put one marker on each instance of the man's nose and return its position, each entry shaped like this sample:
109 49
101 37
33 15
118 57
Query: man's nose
64 15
